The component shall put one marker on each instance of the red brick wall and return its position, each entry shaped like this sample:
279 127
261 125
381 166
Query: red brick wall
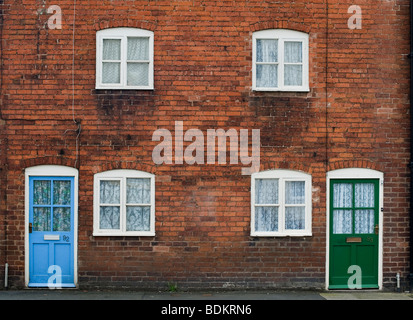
203 77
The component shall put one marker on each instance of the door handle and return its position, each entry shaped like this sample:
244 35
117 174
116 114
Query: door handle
376 229
30 227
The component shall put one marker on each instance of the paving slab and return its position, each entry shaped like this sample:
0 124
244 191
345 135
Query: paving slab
78 294
366 295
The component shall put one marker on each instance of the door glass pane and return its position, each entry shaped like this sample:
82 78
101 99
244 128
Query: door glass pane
364 221
364 195
41 192
61 192
294 192
109 217
266 191
266 218
138 191
137 218
343 195
110 191
61 219
41 219
342 222
267 50
295 218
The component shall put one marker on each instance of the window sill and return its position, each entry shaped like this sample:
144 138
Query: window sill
125 88
125 234
305 89
280 235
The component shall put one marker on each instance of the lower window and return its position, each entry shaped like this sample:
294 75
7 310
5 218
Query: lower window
280 203
124 203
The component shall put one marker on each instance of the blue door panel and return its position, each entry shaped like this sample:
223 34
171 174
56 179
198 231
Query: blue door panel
51 245
40 259
63 259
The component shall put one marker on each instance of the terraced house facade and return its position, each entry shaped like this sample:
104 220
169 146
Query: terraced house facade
205 144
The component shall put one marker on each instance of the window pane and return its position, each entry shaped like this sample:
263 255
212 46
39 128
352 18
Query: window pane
343 195
266 218
294 192
61 192
293 52
41 219
41 192
266 191
295 218
109 217
138 218
293 75
342 222
364 194
138 190
110 192
267 50
267 76
61 219
138 74
111 72
138 48
111 49
364 221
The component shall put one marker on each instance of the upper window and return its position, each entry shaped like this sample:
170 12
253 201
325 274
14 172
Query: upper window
124 59
280 203
280 60
124 203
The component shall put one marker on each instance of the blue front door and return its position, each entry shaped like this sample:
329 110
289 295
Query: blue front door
51 243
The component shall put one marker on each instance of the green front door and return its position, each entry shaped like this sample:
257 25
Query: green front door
354 239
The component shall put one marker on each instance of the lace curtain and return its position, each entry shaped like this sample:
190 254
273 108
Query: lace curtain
343 199
111 52
49 197
137 205
137 61
295 205
293 68
267 63
138 50
267 193
267 74
138 191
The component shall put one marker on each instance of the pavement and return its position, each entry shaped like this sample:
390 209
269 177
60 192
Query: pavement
78 294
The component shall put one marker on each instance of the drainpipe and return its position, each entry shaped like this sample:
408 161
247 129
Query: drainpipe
6 275
411 146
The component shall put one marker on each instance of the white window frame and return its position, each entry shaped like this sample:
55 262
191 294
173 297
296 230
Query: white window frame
121 175
282 35
122 34
283 176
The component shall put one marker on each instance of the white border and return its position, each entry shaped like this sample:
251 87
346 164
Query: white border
122 34
121 174
55 171
356 173
282 35
286 175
